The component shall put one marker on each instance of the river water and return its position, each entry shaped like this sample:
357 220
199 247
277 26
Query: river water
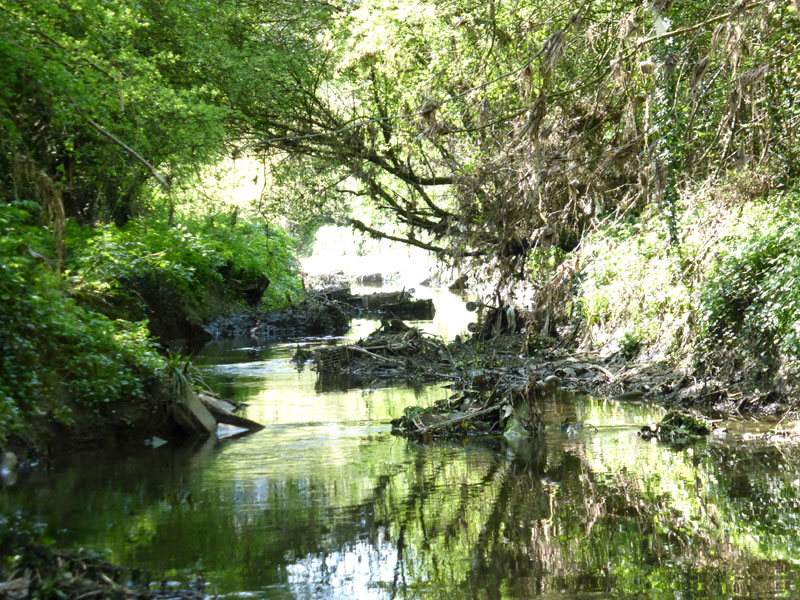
326 503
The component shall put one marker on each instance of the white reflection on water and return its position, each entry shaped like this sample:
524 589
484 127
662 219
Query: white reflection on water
359 570
257 369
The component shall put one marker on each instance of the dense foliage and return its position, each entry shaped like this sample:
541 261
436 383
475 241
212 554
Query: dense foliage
191 263
510 137
53 350
76 73
102 99
82 339
751 303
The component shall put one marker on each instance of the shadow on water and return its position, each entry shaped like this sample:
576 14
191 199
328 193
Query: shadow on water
326 503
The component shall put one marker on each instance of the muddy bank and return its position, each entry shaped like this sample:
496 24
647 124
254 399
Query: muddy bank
46 438
325 312
168 413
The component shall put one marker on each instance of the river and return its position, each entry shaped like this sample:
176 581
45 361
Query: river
326 503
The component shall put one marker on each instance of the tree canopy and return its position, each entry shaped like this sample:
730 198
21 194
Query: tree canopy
100 97
489 130
498 131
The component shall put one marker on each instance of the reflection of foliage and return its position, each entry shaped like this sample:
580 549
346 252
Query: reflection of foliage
601 513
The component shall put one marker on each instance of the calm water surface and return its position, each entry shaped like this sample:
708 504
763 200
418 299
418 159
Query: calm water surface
326 503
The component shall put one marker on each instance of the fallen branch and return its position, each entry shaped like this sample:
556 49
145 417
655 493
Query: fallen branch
605 372
375 356
421 429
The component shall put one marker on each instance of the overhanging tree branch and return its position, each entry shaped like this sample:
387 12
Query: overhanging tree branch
133 152
376 233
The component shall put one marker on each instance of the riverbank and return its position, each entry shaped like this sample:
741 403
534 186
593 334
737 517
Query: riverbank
88 317
715 301
31 569
499 379
395 352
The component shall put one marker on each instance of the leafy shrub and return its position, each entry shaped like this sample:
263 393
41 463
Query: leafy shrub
56 348
630 290
52 349
750 305
629 345
189 263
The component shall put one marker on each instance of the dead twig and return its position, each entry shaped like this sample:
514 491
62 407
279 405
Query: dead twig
375 356
422 429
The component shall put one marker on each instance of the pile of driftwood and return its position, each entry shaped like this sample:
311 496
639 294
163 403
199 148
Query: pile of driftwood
509 411
394 350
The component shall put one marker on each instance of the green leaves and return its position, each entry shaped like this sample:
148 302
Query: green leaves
61 66
195 263
52 351
750 308
56 348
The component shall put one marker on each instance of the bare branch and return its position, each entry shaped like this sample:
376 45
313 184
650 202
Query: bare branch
125 146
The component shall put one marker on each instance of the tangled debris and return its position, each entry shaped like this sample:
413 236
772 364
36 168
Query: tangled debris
510 411
392 351
676 429
32 570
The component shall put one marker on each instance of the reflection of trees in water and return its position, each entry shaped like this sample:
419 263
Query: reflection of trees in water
478 522
544 527
483 520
